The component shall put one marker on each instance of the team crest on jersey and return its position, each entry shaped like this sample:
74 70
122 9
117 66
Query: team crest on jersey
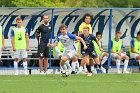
49 27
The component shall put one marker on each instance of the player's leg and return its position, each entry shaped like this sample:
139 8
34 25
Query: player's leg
24 56
126 60
104 57
46 56
16 56
91 62
135 56
73 64
83 62
118 61
40 55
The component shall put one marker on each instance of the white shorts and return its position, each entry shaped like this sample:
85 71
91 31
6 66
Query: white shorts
134 55
58 55
69 53
20 54
101 54
114 55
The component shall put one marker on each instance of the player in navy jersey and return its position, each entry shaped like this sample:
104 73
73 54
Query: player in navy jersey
89 52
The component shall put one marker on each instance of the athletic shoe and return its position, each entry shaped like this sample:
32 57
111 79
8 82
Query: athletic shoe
118 72
16 72
126 72
73 72
25 72
103 70
89 74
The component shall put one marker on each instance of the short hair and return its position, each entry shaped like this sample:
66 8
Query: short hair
87 14
118 32
18 19
63 26
138 33
98 33
45 15
86 27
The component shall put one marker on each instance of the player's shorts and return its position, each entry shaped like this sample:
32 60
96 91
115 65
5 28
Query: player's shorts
134 55
58 55
20 54
92 54
43 51
114 55
101 55
69 53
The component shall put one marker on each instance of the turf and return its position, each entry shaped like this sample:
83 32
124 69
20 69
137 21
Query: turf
103 83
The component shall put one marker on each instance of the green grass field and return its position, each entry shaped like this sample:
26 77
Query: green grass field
101 83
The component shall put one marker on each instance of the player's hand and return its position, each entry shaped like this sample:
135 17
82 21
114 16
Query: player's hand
85 47
14 49
101 49
49 45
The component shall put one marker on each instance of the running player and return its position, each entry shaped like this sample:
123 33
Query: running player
89 52
67 39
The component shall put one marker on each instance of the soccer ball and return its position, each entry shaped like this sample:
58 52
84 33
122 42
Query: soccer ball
65 73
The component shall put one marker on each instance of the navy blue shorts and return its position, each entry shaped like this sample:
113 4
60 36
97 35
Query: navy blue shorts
92 54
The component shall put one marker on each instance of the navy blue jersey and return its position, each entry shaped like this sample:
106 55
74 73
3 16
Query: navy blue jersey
45 31
88 40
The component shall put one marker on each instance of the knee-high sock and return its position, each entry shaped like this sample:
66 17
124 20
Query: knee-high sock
104 60
88 68
125 64
15 65
118 64
73 64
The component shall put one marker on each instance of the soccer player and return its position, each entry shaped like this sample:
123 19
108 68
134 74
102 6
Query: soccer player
135 47
20 45
86 23
116 52
67 39
102 55
89 52
1 39
43 32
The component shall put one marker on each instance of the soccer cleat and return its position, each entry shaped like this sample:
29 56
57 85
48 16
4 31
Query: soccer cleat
47 72
103 70
126 72
16 72
25 72
118 72
73 72
89 74
94 71
42 73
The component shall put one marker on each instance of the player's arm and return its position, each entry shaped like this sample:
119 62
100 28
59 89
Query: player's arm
81 40
2 39
52 45
27 40
111 48
12 40
37 33
132 47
